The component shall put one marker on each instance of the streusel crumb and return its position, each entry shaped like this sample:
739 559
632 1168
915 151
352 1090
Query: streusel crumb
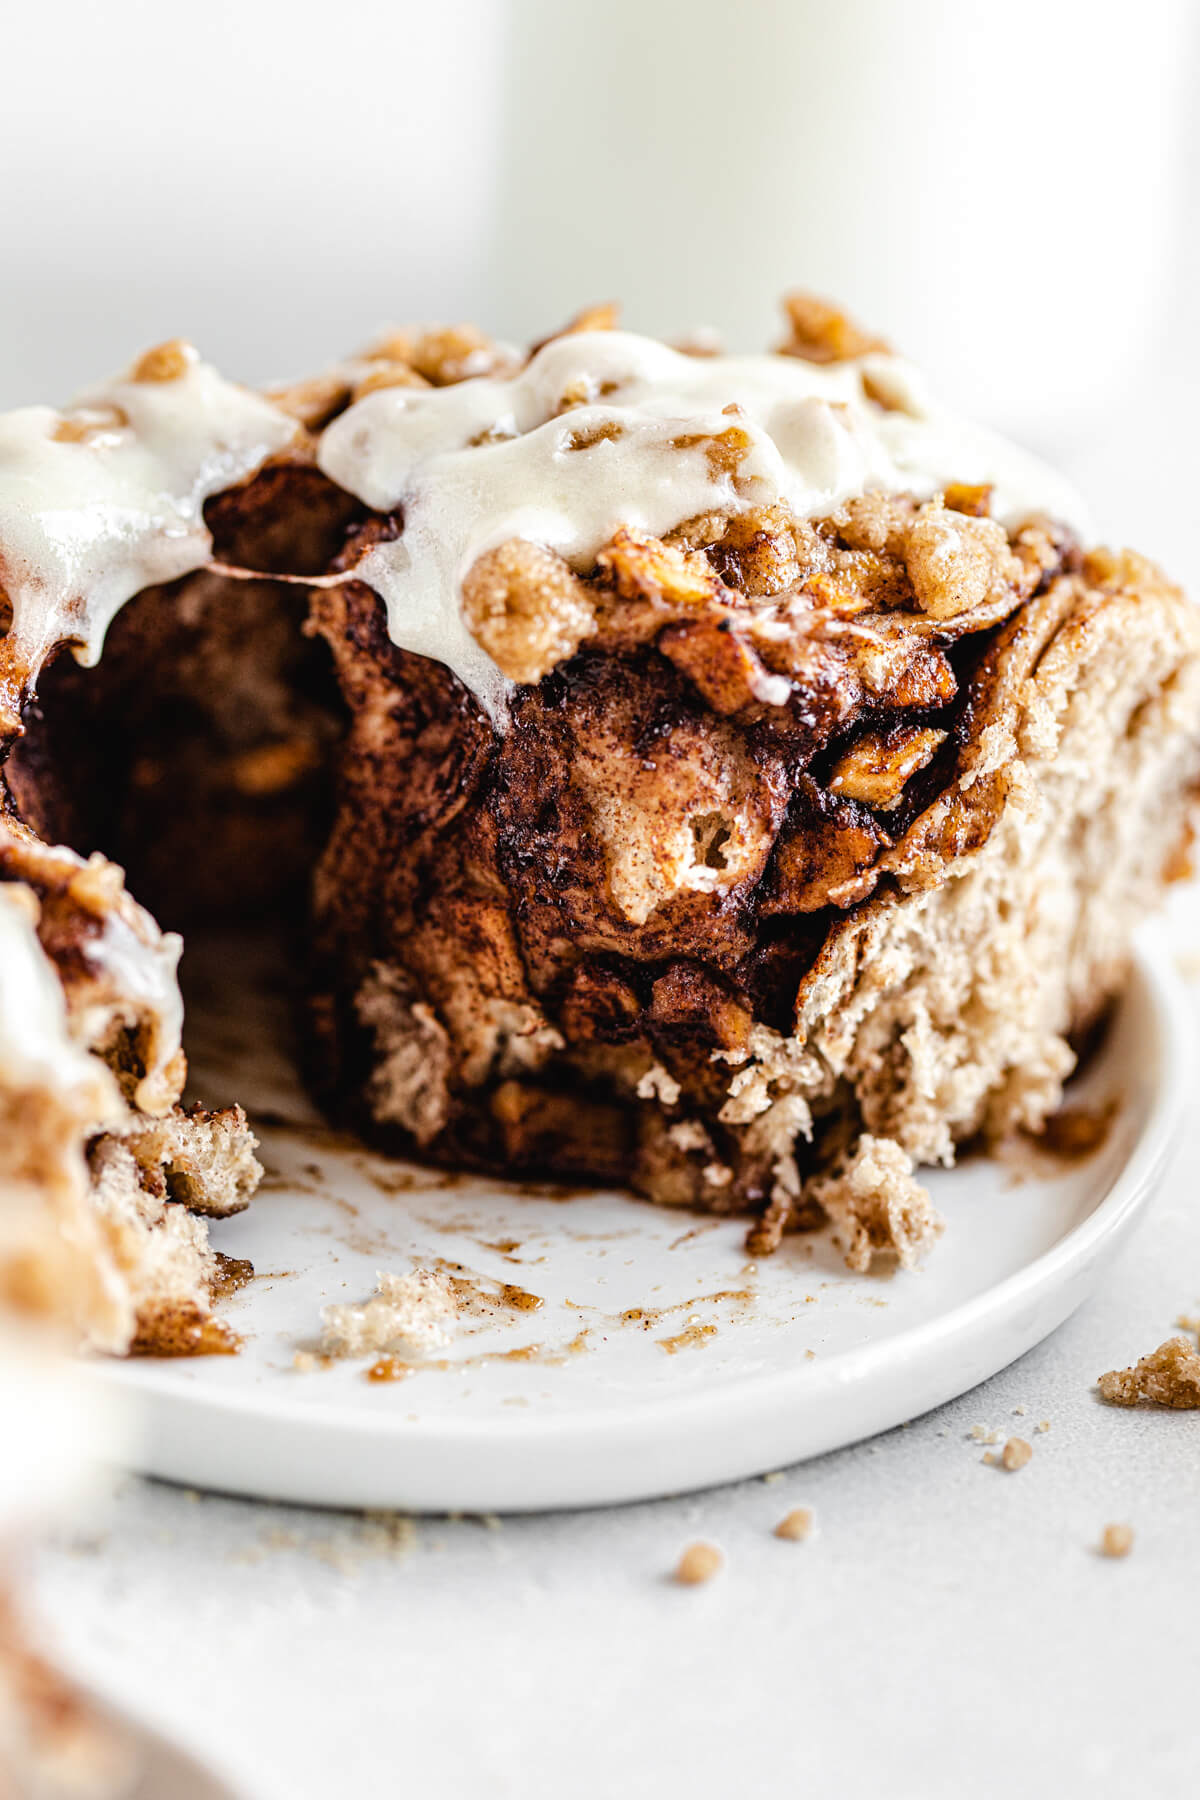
1116 1540
1016 1453
527 609
699 1563
165 362
796 1525
821 333
1168 1376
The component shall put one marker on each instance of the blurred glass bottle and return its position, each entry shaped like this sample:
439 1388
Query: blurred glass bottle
994 187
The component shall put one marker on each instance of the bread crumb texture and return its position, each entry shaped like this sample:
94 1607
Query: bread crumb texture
413 1313
876 1205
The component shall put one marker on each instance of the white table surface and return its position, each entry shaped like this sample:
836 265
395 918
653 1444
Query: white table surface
949 1630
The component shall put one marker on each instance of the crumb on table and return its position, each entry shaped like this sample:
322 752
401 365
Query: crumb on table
1168 1376
699 1563
796 1525
1116 1540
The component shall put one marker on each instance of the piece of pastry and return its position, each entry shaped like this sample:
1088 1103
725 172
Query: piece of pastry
732 777
753 777
104 1178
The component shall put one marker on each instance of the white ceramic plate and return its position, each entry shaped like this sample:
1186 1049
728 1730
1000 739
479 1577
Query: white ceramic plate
658 1360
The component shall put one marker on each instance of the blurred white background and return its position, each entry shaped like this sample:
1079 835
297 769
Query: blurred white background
1002 189
272 178
996 187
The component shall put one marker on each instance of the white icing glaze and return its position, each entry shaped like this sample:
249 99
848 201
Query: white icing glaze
87 521
134 983
138 965
37 1049
489 459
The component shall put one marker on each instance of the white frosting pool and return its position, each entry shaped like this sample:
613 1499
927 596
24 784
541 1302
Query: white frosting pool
489 459
107 498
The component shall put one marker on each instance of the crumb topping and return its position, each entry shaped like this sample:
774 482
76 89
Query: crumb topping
603 431
165 362
527 609
821 333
